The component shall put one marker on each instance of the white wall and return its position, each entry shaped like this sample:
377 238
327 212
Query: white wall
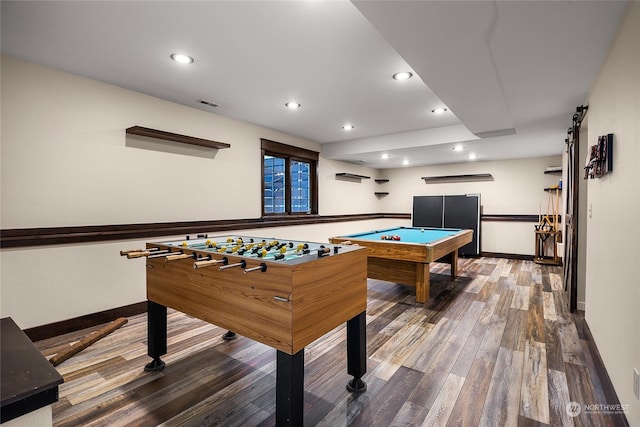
517 188
340 196
67 162
613 229
64 152
51 283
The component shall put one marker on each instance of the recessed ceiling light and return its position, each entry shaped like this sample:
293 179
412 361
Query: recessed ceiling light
292 105
348 127
438 110
384 156
473 156
402 75
458 148
405 162
181 58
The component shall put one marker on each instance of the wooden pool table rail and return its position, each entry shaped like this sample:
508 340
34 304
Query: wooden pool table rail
408 263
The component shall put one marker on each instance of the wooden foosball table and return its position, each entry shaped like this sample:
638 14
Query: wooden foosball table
285 294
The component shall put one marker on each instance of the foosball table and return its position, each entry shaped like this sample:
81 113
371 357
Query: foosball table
285 294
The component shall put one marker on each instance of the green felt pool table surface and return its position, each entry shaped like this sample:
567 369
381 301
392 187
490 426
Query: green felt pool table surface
407 260
424 235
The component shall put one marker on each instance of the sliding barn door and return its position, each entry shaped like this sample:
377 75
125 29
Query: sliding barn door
574 174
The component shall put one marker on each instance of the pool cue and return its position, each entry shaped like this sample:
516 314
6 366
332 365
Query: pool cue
87 341
557 206
549 204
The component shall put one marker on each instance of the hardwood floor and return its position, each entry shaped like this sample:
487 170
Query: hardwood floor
494 347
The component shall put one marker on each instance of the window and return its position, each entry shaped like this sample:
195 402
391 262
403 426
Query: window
289 182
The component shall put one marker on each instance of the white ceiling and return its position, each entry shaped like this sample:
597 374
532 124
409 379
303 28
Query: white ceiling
511 73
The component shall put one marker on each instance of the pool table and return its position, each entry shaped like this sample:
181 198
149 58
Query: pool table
407 260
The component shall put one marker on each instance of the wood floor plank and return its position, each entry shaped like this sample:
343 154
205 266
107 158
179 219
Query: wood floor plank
555 360
476 284
515 332
525 277
558 399
469 405
521 298
441 409
434 341
581 391
549 307
490 345
556 281
535 320
388 401
497 270
395 351
459 306
502 405
534 397
570 342
506 270
220 408
481 351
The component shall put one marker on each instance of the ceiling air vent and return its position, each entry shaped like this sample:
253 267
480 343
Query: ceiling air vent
208 103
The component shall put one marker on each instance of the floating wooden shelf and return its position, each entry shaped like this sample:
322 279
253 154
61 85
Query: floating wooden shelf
379 194
175 137
552 189
468 177
351 175
381 181
554 170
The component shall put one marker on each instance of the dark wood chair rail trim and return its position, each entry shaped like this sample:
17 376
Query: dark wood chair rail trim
512 218
25 237
22 237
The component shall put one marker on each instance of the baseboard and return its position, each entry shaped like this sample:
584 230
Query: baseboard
70 325
581 306
507 255
607 386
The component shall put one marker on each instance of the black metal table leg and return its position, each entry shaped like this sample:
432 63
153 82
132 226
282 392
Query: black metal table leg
357 352
230 335
289 388
156 335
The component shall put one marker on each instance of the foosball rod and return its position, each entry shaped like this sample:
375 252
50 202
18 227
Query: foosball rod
87 341
209 262
177 256
124 253
149 254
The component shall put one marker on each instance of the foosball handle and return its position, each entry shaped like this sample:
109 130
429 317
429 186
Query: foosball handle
141 254
208 263
123 253
176 257
127 252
